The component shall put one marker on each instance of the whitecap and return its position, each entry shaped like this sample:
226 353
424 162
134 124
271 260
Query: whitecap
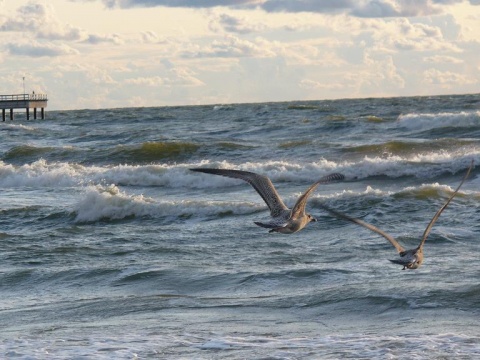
110 203
425 121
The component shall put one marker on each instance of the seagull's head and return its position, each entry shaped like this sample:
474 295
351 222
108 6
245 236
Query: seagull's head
417 259
410 259
311 218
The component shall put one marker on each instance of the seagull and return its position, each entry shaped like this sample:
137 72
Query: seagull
409 259
284 220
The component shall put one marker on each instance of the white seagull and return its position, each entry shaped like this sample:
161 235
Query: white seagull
409 259
284 220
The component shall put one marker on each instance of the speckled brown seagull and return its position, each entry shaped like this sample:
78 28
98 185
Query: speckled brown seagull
284 220
409 259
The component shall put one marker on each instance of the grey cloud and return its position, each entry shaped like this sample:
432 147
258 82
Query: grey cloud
176 3
399 8
308 5
360 8
99 39
39 50
267 5
234 24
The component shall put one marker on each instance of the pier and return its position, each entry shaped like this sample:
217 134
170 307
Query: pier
23 101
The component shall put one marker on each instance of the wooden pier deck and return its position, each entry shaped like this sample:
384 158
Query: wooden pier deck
23 101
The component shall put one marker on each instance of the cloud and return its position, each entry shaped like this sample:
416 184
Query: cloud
360 8
443 59
178 3
401 34
309 84
153 81
149 37
396 8
175 77
36 49
231 46
308 6
40 19
446 79
95 39
234 24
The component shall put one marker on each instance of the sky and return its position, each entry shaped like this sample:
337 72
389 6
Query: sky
90 54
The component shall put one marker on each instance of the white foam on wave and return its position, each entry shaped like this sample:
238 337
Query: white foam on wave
110 203
61 174
38 174
138 344
425 121
20 127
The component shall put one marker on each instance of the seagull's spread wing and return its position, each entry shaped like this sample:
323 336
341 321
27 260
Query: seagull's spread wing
437 215
366 225
260 183
299 208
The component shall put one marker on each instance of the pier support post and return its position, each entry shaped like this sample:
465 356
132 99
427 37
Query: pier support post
34 113
28 113
43 113
11 114
3 114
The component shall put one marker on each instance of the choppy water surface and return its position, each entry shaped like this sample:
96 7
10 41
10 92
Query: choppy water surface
111 248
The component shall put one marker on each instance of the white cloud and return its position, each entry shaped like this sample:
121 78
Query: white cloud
446 79
230 46
149 37
443 59
146 81
41 20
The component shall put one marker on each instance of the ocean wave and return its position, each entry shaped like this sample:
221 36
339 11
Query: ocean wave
428 191
224 107
365 346
425 121
305 107
42 173
152 151
423 166
400 342
10 126
294 144
412 148
25 151
105 203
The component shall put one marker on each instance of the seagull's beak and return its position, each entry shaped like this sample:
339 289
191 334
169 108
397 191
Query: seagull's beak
313 219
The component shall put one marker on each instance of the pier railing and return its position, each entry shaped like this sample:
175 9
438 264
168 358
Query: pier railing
23 97
23 101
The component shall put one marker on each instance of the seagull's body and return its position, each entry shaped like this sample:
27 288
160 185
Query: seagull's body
284 220
409 259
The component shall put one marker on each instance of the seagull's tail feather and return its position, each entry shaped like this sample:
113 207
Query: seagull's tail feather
269 225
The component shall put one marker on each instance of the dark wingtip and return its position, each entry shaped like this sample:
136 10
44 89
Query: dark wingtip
204 170
332 177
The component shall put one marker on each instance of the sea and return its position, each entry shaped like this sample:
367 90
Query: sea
111 248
